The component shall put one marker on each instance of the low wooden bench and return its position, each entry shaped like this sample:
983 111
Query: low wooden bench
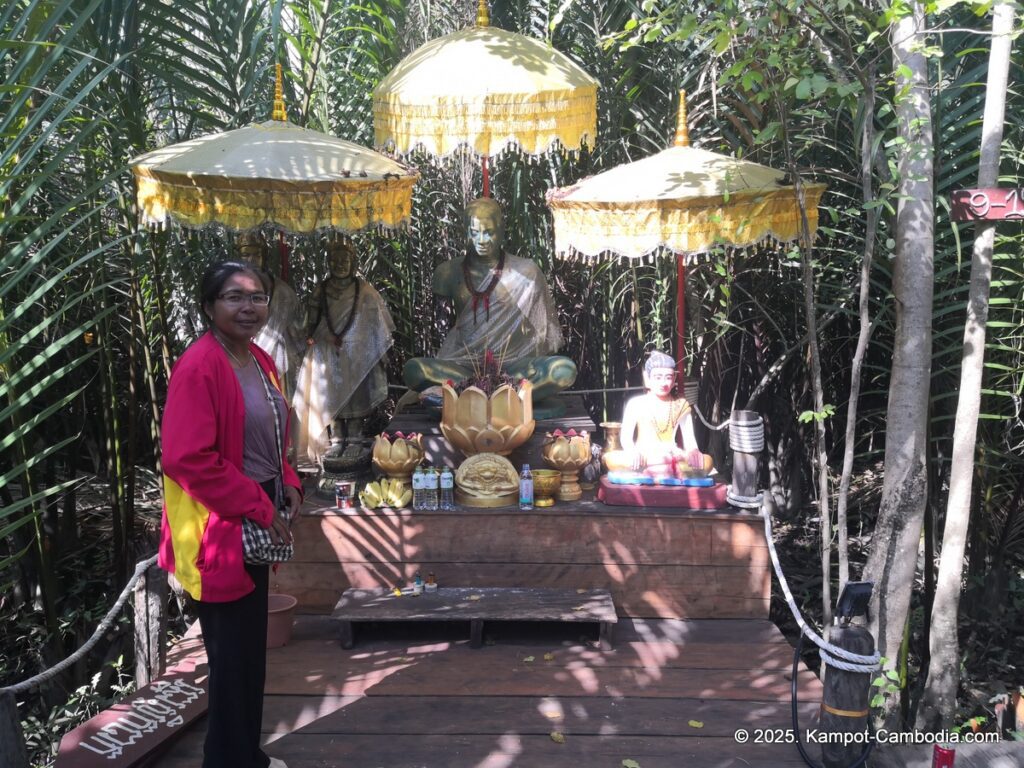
476 605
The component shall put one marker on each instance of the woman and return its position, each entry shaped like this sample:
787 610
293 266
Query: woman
224 441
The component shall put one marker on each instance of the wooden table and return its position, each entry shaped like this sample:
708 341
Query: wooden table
476 605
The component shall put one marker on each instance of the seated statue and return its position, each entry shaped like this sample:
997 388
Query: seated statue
502 305
653 425
342 378
283 337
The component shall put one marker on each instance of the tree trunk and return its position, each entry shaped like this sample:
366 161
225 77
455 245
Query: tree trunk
938 705
817 389
897 535
868 151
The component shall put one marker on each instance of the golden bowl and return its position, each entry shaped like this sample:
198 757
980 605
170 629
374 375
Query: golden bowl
398 456
568 454
546 483
475 423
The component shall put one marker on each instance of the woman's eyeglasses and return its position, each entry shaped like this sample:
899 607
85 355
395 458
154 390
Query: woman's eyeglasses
237 298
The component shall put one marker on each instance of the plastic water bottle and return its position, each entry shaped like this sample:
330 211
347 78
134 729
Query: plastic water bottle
447 490
430 488
417 488
526 488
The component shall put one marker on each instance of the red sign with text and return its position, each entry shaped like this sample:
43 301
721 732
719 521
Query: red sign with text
993 204
128 732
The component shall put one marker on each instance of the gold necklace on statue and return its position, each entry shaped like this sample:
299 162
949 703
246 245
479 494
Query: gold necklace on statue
673 413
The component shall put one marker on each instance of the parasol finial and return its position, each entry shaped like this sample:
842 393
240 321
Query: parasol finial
279 112
682 131
483 15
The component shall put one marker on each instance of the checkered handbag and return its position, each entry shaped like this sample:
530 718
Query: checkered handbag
259 549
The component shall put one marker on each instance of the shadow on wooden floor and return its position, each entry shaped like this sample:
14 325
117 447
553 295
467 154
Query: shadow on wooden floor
672 693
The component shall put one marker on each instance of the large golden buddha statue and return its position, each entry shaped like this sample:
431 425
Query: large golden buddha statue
502 305
657 428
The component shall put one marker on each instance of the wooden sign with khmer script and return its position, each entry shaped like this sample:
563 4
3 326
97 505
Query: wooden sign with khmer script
129 731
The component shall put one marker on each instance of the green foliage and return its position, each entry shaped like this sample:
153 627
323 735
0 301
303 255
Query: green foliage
809 416
42 734
886 685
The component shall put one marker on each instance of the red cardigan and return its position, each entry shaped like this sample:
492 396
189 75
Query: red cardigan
206 495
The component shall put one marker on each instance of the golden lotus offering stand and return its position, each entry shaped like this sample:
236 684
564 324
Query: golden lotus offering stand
397 457
568 454
475 423
486 429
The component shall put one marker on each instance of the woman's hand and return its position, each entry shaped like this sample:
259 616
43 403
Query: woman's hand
292 502
280 531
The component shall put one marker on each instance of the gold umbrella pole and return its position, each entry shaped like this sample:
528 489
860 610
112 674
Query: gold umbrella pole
681 311
483 19
682 140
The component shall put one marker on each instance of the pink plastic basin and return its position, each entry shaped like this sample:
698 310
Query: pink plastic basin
280 615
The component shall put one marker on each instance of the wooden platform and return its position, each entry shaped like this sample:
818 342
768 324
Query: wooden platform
671 694
656 562
475 606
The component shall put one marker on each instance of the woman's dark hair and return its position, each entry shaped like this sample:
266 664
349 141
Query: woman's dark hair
218 273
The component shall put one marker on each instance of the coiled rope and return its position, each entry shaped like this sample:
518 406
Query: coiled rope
747 436
832 655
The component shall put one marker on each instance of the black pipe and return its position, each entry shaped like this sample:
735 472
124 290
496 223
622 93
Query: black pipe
796 717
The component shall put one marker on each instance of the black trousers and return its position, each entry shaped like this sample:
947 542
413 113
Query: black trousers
235 635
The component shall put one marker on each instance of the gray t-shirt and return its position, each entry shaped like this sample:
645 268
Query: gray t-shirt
260 458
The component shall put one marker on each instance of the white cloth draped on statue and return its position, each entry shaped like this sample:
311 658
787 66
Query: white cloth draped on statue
521 321
346 380
284 335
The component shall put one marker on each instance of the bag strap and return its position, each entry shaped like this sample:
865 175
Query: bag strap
277 419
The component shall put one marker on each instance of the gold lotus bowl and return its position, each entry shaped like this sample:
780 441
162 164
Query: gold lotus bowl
546 483
566 453
397 456
475 423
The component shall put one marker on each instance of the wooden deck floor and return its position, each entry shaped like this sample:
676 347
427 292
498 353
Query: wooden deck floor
670 694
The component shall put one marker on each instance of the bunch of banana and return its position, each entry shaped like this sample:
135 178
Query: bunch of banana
386 492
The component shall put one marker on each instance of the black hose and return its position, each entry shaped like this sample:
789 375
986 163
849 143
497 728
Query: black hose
796 717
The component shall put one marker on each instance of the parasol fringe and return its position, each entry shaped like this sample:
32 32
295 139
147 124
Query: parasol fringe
501 148
691 258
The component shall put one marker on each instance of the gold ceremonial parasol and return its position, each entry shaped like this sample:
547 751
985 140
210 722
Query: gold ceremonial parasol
273 173
487 89
685 199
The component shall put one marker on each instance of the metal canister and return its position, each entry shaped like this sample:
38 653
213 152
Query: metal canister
343 494
942 757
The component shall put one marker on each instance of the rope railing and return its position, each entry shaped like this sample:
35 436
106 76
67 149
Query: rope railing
103 627
831 655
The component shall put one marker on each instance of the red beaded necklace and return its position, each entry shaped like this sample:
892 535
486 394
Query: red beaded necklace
484 295
325 313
